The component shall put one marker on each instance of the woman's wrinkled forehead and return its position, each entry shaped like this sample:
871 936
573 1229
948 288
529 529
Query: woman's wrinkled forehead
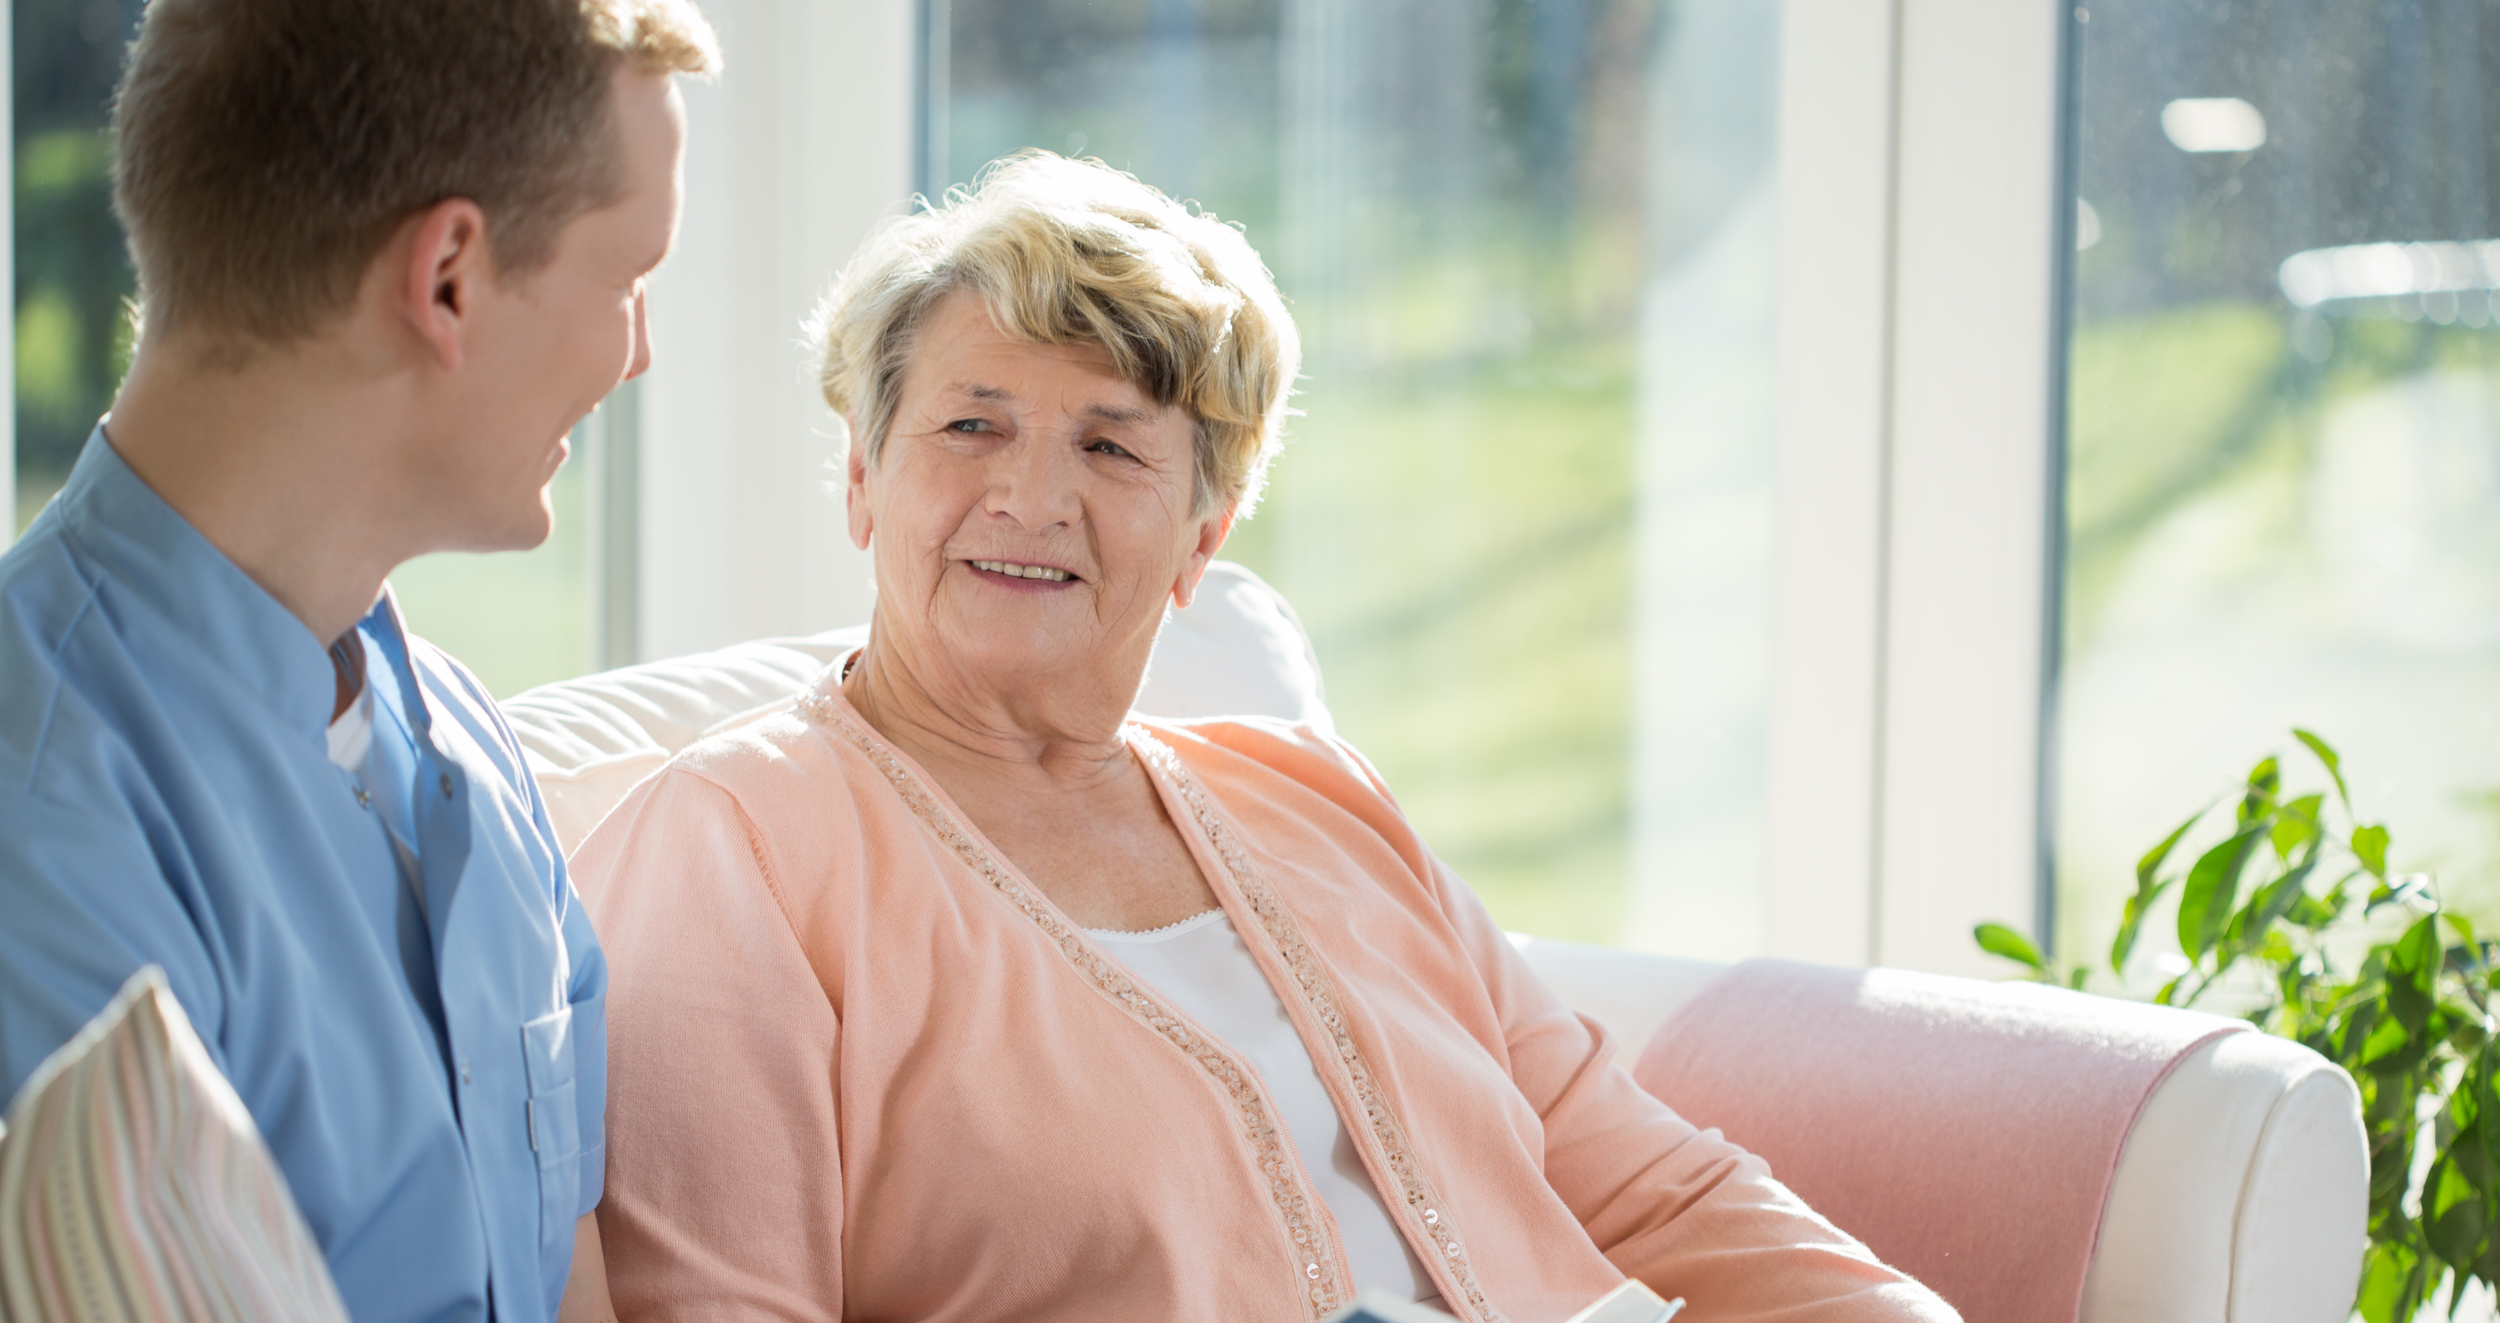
1142 359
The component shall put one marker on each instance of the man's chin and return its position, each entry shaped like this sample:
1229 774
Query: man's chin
523 531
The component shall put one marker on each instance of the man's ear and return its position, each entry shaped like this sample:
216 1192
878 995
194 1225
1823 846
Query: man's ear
1211 534
855 473
445 263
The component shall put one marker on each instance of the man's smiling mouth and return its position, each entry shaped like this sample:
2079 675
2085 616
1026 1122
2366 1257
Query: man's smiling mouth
1014 570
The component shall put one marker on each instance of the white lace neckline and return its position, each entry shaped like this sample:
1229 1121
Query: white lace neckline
1165 933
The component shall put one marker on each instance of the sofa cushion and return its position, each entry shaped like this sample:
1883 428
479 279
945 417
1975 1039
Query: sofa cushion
1238 650
134 1186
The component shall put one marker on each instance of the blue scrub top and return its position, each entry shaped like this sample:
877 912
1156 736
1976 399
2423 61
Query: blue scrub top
429 1074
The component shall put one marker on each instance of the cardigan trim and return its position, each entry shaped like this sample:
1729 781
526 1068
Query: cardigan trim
1423 1203
1294 1204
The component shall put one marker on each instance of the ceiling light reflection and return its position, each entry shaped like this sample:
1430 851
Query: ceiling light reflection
2390 271
2213 124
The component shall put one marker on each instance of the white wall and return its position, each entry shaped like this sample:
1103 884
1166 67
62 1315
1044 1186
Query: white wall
793 154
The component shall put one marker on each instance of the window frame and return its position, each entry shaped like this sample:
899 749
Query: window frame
1919 476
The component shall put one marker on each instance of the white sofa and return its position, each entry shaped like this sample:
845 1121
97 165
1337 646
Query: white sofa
2240 1190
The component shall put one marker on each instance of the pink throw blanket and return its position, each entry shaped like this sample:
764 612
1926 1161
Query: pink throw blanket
1966 1131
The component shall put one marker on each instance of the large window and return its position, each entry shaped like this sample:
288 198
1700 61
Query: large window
1525 509
2284 492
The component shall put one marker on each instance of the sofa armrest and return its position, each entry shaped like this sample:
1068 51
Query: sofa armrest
2243 1193
2236 1180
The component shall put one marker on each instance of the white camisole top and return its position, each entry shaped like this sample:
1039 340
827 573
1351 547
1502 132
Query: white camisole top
1201 964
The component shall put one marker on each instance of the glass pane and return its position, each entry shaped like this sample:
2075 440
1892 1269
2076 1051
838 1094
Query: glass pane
516 619
72 274
1528 245
2284 495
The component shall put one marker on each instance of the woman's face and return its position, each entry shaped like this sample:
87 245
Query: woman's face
1030 511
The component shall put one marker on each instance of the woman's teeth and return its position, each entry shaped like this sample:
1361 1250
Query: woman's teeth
1021 571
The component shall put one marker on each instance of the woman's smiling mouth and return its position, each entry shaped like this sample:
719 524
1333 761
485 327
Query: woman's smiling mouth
1015 571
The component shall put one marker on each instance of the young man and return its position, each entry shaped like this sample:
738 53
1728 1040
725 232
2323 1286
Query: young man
389 252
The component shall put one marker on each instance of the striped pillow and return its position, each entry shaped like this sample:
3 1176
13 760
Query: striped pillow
133 1185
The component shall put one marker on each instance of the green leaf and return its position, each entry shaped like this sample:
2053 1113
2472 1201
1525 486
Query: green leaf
2311 913
2075 977
1998 940
2334 764
2404 890
2130 920
2212 889
2152 860
2387 1039
2369 845
2413 973
2263 780
2486 1089
2453 1213
2297 825
2389 1283
2272 902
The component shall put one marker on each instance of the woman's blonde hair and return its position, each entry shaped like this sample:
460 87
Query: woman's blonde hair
1074 252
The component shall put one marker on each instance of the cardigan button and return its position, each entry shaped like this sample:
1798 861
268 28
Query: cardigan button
1311 1271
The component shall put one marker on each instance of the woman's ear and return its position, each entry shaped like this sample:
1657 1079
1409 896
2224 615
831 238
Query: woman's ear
855 488
1211 534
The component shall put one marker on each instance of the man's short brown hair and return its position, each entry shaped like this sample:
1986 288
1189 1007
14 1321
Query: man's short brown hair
266 149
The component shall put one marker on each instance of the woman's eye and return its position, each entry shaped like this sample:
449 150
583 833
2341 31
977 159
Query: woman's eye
967 425
1106 448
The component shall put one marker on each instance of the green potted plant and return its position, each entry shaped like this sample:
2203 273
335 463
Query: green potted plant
2298 910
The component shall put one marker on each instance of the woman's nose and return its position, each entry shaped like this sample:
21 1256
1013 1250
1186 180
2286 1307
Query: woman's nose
1034 482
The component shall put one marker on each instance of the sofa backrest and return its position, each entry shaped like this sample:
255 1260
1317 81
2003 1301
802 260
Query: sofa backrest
1238 650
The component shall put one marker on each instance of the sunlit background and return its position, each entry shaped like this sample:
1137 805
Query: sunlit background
1528 510
2283 491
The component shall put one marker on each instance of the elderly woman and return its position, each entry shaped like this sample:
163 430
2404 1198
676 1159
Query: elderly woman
962 993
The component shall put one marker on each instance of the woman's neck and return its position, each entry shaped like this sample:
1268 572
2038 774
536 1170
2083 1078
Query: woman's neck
1053 737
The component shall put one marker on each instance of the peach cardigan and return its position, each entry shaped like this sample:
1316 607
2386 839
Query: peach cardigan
860 1068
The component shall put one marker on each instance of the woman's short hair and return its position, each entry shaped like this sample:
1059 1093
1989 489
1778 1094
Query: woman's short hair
266 149
1075 252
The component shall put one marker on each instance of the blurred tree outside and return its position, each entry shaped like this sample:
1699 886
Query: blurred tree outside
73 276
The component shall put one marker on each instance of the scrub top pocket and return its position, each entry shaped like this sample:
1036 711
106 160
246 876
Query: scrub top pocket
555 1124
